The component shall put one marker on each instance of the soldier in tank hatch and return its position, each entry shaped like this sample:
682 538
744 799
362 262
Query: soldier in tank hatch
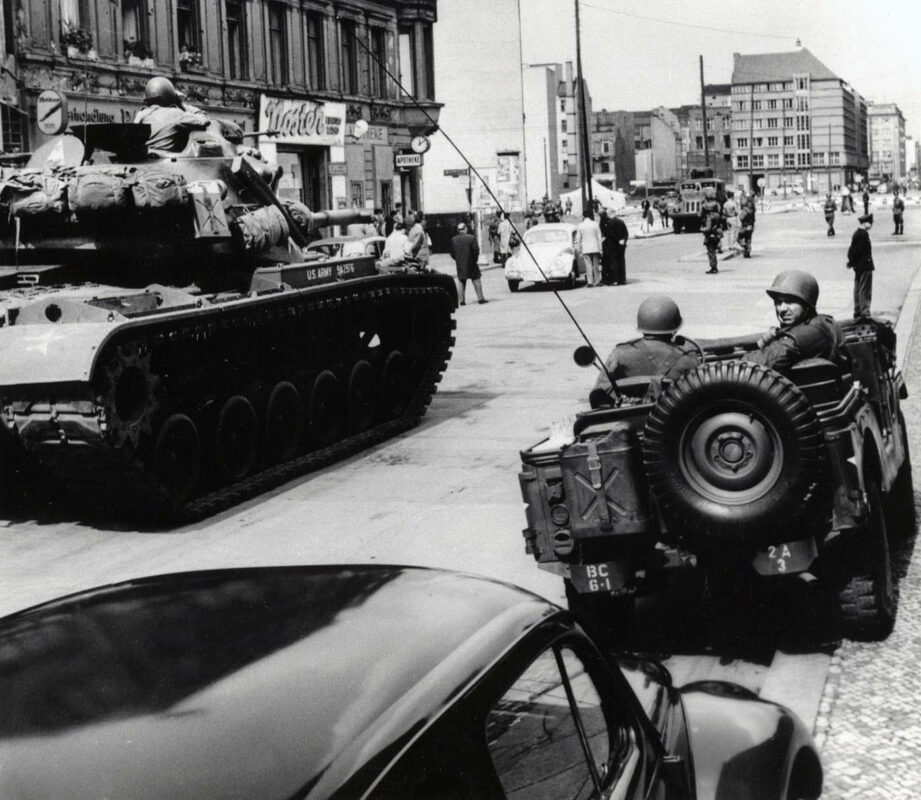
803 333
171 120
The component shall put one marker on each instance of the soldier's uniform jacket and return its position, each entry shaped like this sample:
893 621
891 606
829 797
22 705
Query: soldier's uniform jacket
711 215
898 207
647 356
170 126
816 337
830 208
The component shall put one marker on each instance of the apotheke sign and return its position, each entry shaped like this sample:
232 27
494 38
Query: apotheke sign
303 121
407 160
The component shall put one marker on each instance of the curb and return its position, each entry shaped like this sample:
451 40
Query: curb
906 321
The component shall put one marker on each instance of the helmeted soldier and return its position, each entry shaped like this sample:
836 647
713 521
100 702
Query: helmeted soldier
659 352
711 225
171 120
829 208
802 332
746 225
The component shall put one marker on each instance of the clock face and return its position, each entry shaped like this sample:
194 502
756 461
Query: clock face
419 144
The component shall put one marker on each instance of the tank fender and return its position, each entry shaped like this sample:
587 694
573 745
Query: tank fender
745 747
36 354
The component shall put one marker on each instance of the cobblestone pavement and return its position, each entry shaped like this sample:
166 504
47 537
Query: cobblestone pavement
869 722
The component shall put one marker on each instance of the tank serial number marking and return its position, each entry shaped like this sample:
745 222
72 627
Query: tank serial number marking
603 577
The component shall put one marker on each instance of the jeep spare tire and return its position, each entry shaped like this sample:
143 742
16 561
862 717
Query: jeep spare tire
733 452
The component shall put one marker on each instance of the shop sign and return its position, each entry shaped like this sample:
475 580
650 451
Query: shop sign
51 112
302 121
338 168
376 134
407 160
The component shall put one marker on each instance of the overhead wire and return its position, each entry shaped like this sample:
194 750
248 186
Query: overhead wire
383 65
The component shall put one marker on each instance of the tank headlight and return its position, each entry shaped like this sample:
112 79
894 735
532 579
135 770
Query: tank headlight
560 515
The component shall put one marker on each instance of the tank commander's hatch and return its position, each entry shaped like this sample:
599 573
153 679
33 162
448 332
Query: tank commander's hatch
126 141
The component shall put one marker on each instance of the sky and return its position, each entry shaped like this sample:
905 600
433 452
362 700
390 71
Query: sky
639 55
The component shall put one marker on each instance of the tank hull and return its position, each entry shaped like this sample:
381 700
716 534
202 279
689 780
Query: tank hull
173 405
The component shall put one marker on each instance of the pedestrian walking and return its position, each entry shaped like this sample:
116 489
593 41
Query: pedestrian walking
607 248
829 208
466 253
898 210
618 233
860 259
588 243
731 217
504 231
568 206
847 202
662 207
866 201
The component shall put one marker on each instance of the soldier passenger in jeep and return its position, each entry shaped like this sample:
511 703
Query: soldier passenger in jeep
803 333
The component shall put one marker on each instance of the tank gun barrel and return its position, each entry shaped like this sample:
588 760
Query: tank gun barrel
340 216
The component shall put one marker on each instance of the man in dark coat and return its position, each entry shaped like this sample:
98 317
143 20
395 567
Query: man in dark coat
898 210
803 333
614 246
860 259
829 208
466 253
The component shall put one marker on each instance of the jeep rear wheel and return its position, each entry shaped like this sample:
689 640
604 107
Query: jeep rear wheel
869 598
732 448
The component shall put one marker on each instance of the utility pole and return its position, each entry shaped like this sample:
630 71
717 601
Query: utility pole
585 162
703 114
829 157
524 127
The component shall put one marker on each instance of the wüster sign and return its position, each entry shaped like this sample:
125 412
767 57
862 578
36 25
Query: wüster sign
303 121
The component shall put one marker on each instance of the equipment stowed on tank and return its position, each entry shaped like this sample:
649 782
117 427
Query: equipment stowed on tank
164 340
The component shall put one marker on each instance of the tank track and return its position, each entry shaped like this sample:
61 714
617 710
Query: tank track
192 367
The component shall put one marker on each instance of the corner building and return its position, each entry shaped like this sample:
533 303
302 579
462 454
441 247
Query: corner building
795 124
887 142
313 69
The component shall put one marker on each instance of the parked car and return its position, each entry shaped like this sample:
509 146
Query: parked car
736 470
362 681
552 246
346 246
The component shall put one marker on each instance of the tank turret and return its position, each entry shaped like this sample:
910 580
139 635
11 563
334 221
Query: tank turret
166 341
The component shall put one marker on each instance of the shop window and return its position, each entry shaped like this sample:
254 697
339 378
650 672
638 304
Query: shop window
135 39
356 194
316 52
378 62
408 61
14 136
349 57
236 40
188 31
278 43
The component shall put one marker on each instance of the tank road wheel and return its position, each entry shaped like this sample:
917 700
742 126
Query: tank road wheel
396 383
177 458
869 597
731 448
360 402
284 422
235 438
325 413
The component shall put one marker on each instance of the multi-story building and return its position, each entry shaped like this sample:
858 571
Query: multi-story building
794 122
310 69
887 142
612 142
544 129
716 142
570 156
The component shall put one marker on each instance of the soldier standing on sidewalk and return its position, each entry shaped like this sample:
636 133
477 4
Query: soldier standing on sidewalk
898 209
860 259
711 225
830 209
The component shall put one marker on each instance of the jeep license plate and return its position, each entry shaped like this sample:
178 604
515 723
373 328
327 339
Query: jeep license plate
606 577
786 558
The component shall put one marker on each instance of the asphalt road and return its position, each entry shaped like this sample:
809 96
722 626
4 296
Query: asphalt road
446 494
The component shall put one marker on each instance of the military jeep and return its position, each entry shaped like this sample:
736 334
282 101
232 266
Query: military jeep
732 468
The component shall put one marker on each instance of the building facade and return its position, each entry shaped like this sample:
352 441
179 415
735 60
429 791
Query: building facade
711 149
309 69
543 130
612 142
795 124
887 142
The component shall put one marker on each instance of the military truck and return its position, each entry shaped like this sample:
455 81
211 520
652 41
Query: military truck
732 468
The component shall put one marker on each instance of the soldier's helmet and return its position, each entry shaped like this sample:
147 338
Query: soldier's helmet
658 314
160 91
796 283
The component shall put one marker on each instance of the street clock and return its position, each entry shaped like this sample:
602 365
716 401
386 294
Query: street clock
420 144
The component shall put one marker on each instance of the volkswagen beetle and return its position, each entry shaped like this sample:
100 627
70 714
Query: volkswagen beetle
555 259
362 681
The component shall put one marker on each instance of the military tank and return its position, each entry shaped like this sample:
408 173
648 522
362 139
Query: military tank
166 345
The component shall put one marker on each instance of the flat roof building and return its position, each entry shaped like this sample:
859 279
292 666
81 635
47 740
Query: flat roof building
887 142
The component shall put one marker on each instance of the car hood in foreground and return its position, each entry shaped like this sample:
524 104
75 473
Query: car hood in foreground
268 683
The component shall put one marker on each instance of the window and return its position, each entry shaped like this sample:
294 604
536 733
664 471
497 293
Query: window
710 141
756 105
699 142
802 141
606 147
187 27
818 159
788 102
74 14
727 142
236 39
788 141
742 141
757 161
378 62
758 123
802 123
429 53
835 159
772 122
761 87
740 105
563 144
134 29
349 58
773 141
316 52
788 86
802 103
757 141
801 84
563 125
802 159
742 162
278 43
739 124
534 739
771 104
408 63
773 160
789 160
788 122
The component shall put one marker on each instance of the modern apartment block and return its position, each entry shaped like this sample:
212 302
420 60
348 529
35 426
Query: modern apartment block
795 123
317 67
887 142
